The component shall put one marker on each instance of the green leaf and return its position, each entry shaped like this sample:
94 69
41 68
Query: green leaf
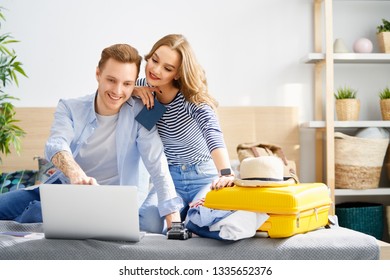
10 69
345 93
385 27
17 66
385 93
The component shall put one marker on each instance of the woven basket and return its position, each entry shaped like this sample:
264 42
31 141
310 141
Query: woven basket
358 161
361 216
347 109
385 109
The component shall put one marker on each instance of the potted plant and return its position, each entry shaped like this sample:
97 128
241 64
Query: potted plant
383 36
10 133
384 96
347 105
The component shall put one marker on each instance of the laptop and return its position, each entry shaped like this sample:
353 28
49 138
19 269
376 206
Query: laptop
86 211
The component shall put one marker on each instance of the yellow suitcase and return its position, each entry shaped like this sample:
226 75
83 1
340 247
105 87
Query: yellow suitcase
292 208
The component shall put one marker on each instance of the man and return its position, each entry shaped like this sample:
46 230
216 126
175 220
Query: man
96 140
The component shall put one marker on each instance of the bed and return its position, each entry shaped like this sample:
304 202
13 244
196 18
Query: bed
278 125
335 243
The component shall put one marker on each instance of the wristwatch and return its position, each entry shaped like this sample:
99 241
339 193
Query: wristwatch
226 172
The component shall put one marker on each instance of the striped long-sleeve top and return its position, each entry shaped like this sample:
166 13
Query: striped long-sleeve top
189 132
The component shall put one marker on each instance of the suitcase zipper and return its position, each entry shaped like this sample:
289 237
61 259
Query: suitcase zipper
315 211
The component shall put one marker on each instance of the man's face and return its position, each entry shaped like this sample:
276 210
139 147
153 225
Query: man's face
116 81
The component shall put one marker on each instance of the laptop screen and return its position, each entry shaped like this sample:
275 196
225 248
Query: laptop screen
86 211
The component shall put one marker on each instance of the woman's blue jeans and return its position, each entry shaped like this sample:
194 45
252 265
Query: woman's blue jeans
192 182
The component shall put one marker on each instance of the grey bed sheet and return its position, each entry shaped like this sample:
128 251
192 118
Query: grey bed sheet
336 243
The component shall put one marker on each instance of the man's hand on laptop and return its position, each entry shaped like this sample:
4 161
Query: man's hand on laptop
80 178
85 181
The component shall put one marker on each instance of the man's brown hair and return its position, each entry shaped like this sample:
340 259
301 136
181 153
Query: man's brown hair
122 53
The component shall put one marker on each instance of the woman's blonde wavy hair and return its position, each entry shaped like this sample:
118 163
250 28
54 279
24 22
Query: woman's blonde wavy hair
192 80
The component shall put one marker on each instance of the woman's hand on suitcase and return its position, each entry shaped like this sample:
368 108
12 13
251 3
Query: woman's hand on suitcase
222 182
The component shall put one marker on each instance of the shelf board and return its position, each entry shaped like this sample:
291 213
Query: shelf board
349 192
375 58
346 124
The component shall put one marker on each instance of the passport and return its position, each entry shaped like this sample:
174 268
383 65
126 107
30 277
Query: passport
148 118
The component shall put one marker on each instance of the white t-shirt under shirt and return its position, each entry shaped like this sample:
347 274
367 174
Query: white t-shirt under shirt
97 157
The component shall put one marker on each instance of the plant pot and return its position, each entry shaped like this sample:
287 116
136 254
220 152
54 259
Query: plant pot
385 109
384 41
347 109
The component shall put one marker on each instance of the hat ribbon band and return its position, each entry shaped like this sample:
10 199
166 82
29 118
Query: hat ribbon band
263 179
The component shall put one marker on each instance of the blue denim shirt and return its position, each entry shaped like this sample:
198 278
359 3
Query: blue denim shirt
75 120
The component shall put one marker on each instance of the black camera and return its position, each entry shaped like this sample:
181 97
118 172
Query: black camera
178 231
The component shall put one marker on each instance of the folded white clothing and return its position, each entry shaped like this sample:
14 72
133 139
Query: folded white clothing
240 224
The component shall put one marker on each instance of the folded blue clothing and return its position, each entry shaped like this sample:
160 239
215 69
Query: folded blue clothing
203 216
203 231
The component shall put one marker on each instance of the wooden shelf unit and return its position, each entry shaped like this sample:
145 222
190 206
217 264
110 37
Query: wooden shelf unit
324 59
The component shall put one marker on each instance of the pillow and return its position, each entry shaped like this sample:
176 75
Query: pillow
45 170
17 180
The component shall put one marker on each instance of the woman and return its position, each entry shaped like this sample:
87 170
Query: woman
189 129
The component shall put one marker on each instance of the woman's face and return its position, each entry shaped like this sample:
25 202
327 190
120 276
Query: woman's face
162 67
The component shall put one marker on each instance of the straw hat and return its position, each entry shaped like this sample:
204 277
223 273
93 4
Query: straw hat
262 171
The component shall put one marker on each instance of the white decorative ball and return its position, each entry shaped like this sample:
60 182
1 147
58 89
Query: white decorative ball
362 45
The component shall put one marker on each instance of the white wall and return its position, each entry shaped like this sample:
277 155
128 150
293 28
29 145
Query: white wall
251 49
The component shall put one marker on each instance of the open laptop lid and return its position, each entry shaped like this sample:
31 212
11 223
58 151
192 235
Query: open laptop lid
85 211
